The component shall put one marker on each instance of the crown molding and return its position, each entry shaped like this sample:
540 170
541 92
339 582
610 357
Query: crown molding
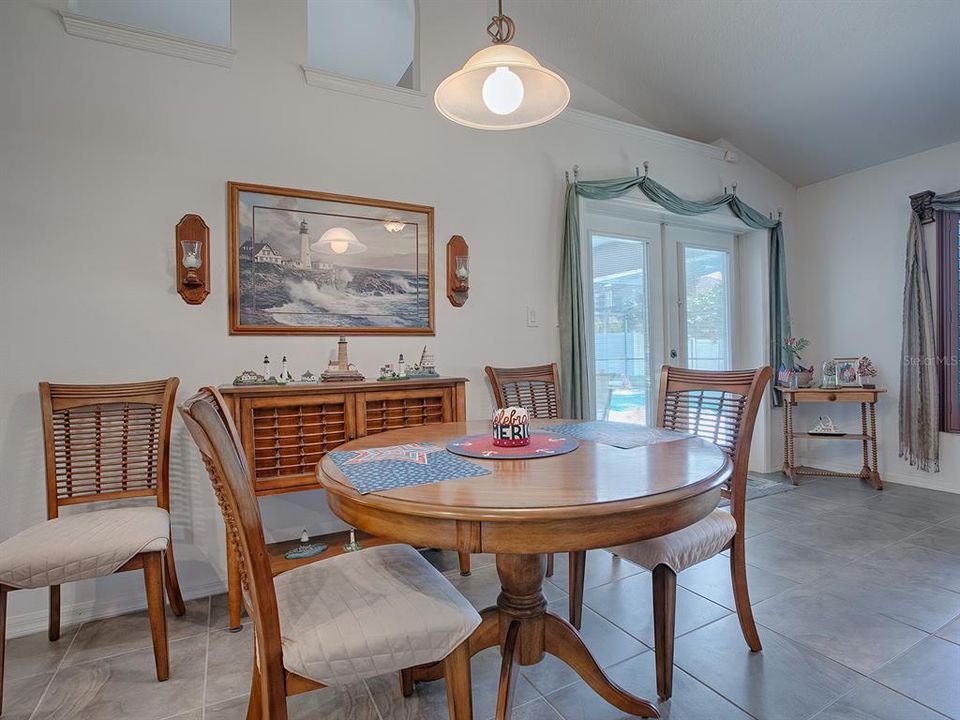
117 34
618 127
364 88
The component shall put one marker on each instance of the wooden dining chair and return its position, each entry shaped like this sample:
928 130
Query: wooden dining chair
337 621
537 390
720 406
101 443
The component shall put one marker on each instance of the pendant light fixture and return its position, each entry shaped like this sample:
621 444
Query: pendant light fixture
502 87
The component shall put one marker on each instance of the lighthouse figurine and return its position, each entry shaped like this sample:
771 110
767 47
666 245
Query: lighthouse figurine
284 377
341 370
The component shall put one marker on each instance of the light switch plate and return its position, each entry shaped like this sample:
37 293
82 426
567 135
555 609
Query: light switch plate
533 319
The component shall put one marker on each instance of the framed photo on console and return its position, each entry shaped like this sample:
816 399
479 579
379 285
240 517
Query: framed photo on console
848 372
313 263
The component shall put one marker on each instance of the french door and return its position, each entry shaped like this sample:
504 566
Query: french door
659 293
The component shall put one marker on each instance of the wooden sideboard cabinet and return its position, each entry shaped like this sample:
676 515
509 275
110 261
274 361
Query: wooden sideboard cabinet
287 429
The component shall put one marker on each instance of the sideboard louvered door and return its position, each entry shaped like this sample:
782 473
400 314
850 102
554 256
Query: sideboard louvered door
392 409
285 437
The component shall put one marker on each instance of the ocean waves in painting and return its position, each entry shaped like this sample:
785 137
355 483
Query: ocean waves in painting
340 297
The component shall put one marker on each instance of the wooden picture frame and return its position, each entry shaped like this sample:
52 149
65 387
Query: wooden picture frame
342 265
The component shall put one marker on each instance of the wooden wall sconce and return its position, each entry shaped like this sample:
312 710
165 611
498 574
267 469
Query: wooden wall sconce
193 259
458 271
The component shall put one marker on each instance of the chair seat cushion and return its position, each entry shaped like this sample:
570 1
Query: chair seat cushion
367 613
82 545
683 548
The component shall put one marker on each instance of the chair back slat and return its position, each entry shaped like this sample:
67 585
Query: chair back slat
213 430
720 406
536 389
107 442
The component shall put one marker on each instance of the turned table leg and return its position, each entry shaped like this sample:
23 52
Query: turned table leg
875 474
528 631
525 632
865 473
788 440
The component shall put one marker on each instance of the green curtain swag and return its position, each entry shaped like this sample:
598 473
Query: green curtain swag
919 392
575 364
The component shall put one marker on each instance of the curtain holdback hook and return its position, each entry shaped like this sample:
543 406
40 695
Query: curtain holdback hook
780 214
566 174
646 168
576 172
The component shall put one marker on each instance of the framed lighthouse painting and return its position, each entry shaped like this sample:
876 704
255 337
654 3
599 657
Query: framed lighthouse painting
312 263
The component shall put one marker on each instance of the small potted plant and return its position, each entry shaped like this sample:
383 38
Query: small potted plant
867 373
794 347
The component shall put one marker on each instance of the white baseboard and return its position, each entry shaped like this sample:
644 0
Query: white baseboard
934 481
36 620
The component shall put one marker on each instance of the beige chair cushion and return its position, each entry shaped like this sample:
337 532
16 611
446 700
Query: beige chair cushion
82 545
367 613
683 548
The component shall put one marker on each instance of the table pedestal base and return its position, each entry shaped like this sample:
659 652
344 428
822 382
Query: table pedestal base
524 630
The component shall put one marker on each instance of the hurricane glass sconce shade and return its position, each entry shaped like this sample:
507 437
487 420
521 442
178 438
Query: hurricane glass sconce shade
502 87
191 254
193 259
463 271
339 241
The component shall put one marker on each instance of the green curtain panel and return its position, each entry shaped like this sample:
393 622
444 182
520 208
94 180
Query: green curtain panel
575 363
919 391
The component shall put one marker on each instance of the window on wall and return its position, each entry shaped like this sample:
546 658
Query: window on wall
948 246
372 40
205 21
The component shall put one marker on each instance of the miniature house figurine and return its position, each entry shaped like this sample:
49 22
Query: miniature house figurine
340 370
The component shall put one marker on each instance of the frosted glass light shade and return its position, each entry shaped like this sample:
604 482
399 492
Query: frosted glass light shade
339 241
460 97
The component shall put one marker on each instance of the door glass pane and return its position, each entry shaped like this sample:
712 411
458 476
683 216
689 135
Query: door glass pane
706 308
621 328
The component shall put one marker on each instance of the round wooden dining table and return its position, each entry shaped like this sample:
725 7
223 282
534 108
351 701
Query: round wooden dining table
596 496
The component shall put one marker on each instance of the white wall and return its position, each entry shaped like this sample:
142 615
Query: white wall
847 275
104 148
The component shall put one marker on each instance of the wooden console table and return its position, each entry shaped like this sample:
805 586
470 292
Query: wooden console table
867 397
287 429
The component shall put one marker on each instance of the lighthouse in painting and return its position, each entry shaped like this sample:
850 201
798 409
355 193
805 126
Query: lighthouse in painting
304 245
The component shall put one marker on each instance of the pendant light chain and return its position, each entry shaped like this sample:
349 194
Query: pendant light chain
501 27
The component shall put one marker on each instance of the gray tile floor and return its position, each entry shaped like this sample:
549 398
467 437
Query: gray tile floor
857 594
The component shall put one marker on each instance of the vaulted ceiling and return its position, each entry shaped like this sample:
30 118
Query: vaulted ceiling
811 88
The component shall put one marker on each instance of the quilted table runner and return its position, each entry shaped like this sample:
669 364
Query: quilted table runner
621 435
399 466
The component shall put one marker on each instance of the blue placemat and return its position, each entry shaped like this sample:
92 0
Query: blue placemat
621 435
399 466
